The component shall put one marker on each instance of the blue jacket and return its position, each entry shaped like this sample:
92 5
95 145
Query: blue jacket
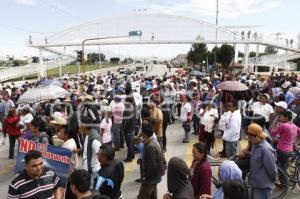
262 166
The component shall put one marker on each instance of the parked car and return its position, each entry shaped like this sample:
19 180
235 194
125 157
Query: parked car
121 70
129 71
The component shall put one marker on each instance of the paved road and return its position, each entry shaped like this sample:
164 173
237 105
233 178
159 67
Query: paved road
130 187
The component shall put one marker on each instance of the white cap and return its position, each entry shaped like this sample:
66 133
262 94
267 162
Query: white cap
281 104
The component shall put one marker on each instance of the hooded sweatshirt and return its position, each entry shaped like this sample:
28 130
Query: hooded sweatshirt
178 184
228 171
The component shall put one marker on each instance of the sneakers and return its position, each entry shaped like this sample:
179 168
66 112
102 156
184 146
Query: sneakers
185 141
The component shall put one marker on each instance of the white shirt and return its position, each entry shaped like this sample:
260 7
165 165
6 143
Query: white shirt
233 128
225 117
95 149
185 109
264 110
106 137
208 119
71 144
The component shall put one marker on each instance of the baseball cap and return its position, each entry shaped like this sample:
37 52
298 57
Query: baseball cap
256 130
281 104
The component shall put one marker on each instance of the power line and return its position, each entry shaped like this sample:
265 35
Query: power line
63 11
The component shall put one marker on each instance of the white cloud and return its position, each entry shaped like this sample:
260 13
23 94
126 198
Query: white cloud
27 2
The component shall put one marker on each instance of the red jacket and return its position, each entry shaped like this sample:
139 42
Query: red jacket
10 126
201 178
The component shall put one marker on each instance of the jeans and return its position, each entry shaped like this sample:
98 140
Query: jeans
230 149
196 121
117 134
283 159
260 193
12 142
130 145
187 127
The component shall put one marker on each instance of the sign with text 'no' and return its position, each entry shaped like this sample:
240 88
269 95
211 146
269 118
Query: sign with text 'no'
55 158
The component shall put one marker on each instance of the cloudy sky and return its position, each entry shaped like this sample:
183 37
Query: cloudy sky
21 18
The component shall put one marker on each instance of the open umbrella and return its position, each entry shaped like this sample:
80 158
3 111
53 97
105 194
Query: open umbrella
48 82
195 73
232 86
42 93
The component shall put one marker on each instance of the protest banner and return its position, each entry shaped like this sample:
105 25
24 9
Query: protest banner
55 158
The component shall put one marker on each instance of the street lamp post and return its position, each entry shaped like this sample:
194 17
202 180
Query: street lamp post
131 34
94 39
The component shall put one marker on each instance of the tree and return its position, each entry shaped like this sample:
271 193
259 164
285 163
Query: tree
270 50
241 54
102 56
114 59
297 61
212 54
252 54
225 55
197 53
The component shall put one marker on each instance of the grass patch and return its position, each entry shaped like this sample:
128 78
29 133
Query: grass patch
70 69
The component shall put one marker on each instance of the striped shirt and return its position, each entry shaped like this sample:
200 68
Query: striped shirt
23 186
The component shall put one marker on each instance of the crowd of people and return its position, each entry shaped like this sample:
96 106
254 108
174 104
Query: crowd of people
105 112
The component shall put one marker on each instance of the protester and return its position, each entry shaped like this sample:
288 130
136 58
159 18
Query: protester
154 167
287 132
36 181
110 176
200 171
80 181
224 119
227 171
66 136
166 120
157 116
208 116
235 189
39 135
179 186
232 131
129 124
186 116
91 146
262 163
105 127
263 108
11 128
117 113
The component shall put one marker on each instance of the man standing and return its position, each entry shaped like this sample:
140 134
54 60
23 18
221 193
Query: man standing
117 112
157 117
129 124
232 129
91 146
35 181
262 163
263 108
186 117
153 166
111 174
8 104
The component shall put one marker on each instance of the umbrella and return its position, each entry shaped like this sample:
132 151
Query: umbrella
195 73
232 86
295 90
42 93
48 82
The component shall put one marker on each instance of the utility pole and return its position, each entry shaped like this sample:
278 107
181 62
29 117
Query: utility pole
217 21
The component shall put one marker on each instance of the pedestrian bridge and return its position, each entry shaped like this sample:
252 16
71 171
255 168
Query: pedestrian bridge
155 28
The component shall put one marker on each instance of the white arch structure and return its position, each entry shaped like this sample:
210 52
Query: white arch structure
157 29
